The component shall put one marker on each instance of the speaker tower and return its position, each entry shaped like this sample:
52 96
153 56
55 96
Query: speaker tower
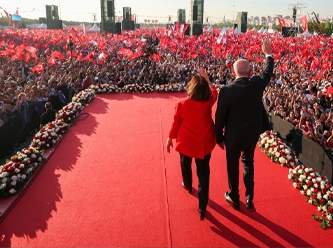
197 12
242 21
108 24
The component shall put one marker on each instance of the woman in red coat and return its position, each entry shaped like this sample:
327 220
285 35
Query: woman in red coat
193 129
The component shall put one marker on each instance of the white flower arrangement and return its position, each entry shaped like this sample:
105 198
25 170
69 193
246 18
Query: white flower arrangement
69 112
138 88
84 97
105 88
18 170
164 88
276 149
49 134
317 189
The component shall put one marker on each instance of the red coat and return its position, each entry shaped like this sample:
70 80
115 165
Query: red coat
193 127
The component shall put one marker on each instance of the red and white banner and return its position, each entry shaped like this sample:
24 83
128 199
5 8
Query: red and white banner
304 22
282 23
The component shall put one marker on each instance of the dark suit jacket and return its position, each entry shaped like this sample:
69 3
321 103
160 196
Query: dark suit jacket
240 110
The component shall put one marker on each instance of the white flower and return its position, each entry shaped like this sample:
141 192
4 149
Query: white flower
4 180
12 191
24 176
324 208
325 197
3 174
319 208
305 187
302 192
282 160
319 196
17 170
289 176
295 185
2 186
308 192
13 183
329 217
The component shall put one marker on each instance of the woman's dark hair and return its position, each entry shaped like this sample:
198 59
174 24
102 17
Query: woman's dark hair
198 89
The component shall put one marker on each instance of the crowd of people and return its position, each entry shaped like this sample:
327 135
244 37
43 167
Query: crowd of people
300 92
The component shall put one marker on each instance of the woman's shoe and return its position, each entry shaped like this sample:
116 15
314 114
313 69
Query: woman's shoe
202 213
188 189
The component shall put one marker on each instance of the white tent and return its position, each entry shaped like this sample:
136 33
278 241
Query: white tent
262 30
307 33
42 26
254 28
236 31
94 28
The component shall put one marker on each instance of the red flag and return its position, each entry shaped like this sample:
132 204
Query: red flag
125 52
27 57
156 57
177 26
304 22
51 61
38 68
284 68
47 51
320 75
9 18
58 55
31 49
282 23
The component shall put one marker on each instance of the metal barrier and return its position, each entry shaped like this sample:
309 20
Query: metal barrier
309 152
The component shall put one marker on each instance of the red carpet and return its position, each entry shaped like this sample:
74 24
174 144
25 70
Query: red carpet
111 183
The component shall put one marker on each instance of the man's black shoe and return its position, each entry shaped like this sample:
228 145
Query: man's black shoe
230 201
250 206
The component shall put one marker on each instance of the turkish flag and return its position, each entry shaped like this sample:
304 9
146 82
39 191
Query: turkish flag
31 49
51 61
304 22
284 68
282 23
38 68
58 55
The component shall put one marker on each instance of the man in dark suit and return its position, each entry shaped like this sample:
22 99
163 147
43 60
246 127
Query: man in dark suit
48 116
240 119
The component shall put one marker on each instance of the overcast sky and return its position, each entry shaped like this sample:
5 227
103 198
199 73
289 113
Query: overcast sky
84 10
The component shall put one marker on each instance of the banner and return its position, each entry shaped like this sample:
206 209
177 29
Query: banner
9 18
304 22
282 23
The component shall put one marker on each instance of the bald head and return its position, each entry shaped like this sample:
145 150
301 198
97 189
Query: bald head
242 68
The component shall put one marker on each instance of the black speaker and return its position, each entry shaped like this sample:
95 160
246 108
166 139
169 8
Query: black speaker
127 25
289 31
118 27
242 21
197 29
42 20
127 14
109 7
57 24
109 27
195 12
